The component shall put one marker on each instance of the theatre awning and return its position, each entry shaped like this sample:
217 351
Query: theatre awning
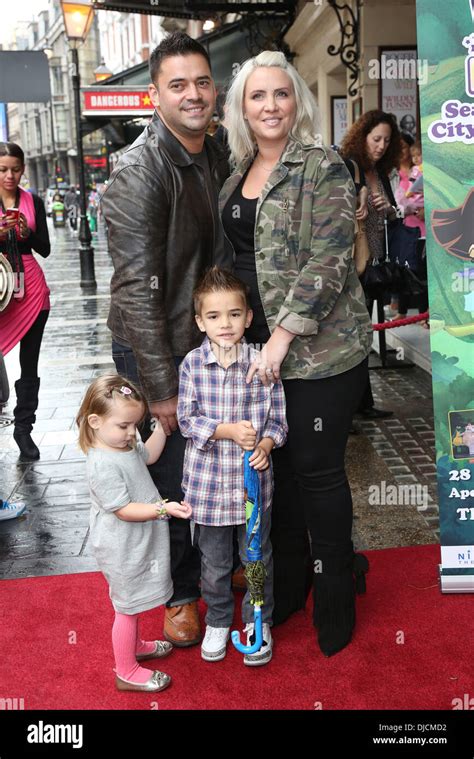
201 9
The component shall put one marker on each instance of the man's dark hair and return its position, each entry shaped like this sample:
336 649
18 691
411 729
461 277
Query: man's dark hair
177 43
217 280
221 98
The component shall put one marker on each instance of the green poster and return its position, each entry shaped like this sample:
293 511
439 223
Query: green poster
445 32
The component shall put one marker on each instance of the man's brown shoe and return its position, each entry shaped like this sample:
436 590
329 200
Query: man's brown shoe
182 626
238 580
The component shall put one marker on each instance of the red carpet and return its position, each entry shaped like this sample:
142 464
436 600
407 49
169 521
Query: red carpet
428 670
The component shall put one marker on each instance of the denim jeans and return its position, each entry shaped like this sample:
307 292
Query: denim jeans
215 544
167 474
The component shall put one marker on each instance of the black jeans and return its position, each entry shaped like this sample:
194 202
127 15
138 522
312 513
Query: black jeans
167 474
312 495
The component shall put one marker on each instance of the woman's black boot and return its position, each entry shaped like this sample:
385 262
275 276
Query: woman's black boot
27 390
338 574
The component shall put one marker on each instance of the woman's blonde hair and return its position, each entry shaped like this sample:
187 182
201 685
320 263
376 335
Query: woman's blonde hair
98 400
306 127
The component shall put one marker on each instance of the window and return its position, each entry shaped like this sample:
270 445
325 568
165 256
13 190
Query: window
57 80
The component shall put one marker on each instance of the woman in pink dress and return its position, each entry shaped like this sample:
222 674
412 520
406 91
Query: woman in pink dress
24 319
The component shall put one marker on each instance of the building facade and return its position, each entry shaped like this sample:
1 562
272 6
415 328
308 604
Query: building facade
47 131
127 39
384 29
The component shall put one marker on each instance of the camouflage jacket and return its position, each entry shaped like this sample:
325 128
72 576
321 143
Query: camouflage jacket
303 239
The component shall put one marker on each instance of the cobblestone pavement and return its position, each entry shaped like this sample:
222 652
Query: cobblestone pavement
52 538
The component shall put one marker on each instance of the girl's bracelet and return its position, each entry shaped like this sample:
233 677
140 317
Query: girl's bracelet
161 512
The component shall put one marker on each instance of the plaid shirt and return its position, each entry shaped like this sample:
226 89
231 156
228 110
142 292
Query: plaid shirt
209 395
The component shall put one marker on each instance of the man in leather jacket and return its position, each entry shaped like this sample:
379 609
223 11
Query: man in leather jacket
160 207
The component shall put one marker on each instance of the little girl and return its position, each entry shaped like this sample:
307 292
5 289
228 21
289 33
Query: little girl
128 528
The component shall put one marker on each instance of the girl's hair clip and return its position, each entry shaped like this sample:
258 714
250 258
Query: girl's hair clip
125 390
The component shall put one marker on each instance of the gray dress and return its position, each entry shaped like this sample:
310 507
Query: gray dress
133 556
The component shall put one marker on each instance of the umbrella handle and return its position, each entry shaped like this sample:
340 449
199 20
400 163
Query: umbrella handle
257 616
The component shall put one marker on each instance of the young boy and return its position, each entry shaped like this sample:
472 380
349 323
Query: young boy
222 416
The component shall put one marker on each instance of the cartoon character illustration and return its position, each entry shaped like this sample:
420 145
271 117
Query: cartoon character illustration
457 439
453 229
468 438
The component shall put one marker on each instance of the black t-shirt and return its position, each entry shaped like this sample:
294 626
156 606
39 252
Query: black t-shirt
238 218
202 160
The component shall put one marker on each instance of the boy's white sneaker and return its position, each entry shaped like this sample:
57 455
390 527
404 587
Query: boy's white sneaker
10 510
214 645
266 651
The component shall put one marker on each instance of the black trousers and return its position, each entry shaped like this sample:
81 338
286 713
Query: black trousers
30 345
167 474
312 498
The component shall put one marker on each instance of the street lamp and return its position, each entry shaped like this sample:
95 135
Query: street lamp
101 73
78 18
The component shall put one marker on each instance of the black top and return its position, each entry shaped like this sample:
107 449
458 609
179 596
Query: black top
202 160
238 219
37 241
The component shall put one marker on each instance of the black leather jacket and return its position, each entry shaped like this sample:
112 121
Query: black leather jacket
164 231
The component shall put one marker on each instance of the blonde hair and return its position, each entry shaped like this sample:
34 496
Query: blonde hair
98 400
306 127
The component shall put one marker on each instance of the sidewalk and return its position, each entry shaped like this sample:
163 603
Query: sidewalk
52 537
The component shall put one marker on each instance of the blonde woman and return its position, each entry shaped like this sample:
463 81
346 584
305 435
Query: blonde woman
288 212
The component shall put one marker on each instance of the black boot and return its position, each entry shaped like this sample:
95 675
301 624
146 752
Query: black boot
339 575
24 414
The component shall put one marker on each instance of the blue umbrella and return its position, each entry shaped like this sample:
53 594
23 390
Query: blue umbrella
255 571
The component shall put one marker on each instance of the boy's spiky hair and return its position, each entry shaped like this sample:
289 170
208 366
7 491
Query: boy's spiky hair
216 280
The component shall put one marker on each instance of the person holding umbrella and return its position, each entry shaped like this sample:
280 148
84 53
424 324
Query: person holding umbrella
222 417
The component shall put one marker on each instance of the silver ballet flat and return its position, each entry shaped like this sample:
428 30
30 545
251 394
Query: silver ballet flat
162 648
158 681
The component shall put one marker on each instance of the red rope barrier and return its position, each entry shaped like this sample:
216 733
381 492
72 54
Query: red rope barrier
402 322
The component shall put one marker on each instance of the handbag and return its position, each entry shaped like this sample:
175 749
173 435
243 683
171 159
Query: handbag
360 248
402 246
405 252
6 282
382 275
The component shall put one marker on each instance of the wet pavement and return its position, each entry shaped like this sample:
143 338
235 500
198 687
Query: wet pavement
52 537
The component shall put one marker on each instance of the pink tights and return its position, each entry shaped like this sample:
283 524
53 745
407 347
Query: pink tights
126 645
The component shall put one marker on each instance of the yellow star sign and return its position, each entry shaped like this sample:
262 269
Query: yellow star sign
146 100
